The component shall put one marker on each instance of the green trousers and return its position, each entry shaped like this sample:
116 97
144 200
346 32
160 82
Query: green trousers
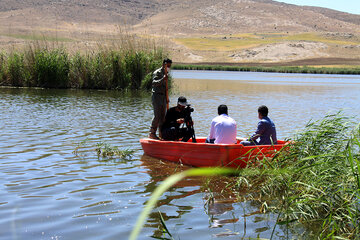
159 105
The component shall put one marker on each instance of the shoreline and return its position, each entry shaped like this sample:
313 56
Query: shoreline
288 67
301 69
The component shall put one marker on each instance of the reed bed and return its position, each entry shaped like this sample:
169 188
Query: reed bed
279 69
313 186
316 182
127 64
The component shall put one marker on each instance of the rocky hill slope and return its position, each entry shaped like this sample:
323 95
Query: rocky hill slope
234 16
198 31
180 16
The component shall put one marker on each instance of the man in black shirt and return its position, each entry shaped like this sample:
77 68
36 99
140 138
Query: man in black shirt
176 116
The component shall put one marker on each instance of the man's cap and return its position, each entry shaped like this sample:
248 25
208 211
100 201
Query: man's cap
182 101
167 60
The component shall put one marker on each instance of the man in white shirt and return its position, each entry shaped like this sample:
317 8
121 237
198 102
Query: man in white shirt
223 128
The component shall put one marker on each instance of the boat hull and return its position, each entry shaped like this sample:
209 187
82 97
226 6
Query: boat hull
203 154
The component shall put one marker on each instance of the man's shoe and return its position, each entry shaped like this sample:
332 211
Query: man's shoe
153 136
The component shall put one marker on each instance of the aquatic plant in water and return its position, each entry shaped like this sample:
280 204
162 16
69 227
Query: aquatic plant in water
165 230
104 149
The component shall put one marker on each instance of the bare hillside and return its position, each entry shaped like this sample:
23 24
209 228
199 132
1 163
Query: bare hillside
81 11
234 16
195 31
179 16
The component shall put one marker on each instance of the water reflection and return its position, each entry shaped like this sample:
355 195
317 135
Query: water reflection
221 202
263 77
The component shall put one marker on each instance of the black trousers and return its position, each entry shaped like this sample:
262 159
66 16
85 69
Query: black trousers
174 134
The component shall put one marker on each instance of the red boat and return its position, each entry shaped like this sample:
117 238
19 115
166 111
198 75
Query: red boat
201 154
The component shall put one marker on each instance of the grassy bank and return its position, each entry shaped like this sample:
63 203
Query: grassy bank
55 67
235 42
279 69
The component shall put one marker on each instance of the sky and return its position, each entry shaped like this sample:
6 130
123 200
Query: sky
351 6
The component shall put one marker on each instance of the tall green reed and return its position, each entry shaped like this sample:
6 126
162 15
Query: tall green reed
16 70
319 186
51 68
2 67
127 66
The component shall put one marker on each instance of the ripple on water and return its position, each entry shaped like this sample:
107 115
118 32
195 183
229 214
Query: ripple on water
48 192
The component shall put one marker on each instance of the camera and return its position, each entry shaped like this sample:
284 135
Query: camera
189 122
188 110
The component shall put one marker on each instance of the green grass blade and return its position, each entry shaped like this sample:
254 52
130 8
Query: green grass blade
164 225
170 181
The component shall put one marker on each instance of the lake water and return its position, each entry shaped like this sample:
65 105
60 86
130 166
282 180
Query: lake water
48 192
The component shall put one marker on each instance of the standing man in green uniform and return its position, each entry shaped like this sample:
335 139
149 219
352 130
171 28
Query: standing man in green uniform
160 97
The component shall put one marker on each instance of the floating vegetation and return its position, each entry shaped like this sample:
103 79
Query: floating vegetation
103 150
107 151
77 151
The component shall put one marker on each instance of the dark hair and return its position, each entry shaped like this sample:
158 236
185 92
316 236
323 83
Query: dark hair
222 109
167 60
263 110
182 99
